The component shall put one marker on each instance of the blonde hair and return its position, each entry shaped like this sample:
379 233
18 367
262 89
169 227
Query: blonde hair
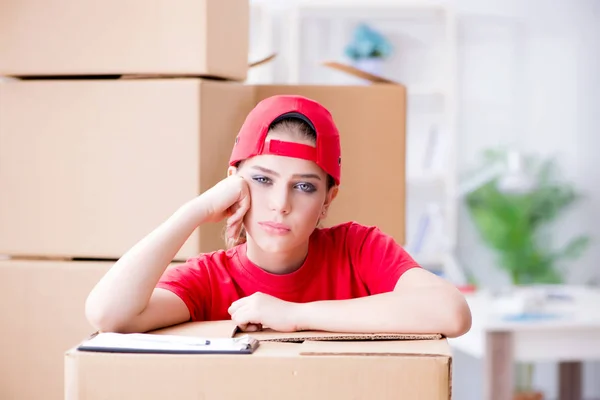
293 126
236 241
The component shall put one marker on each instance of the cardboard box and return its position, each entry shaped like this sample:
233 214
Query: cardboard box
113 37
42 315
293 366
372 124
90 167
42 307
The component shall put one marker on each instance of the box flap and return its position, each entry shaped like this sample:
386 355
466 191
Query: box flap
390 347
274 336
228 328
262 61
350 70
345 68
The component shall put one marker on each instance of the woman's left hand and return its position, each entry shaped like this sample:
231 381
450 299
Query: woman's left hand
261 310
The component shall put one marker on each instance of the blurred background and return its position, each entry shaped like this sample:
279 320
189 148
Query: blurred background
498 89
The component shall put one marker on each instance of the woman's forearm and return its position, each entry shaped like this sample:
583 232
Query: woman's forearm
419 310
126 288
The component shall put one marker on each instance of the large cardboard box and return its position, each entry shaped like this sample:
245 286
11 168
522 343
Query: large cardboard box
372 124
90 167
42 315
292 366
113 37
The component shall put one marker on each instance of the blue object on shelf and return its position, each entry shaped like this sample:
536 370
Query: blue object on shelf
526 317
368 43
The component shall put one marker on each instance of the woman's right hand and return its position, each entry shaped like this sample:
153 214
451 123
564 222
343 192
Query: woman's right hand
230 198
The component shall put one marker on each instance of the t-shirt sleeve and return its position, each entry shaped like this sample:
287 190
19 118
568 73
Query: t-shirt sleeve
189 281
378 258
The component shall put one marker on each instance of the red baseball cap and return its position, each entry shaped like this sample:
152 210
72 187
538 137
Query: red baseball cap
250 141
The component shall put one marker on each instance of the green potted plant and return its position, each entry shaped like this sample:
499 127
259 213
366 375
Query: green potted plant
367 49
514 224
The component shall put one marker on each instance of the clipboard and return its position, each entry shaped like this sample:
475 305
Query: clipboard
109 342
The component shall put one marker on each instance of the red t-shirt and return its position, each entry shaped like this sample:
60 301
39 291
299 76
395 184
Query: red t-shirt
343 262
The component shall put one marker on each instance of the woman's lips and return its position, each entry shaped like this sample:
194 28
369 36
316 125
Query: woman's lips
275 227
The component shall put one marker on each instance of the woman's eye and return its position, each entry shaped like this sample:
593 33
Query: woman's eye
261 179
306 187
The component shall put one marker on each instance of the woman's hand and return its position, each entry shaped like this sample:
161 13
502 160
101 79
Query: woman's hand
230 198
261 310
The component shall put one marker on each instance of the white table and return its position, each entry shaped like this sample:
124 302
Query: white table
570 339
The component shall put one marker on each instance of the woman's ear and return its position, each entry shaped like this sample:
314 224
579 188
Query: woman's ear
331 195
231 171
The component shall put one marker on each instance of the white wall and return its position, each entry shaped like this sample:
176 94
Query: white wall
526 78
529 76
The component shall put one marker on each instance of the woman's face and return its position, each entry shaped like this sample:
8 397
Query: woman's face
288 197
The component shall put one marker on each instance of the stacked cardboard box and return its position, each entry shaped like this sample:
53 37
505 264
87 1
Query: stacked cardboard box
93 156
88 167
121 113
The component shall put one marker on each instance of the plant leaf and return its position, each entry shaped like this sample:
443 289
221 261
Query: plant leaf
575 248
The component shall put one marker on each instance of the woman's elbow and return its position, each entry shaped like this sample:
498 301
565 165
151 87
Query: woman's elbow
103 319
460 319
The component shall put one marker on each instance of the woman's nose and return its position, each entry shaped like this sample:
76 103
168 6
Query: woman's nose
280 200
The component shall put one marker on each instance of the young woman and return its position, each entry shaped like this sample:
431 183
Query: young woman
280 270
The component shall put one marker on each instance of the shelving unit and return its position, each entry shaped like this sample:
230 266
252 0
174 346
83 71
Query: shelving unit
305 33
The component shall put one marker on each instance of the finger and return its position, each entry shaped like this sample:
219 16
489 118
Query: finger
231 211
233 222
245 203
236 305
241 207
245 316
252 328
238 214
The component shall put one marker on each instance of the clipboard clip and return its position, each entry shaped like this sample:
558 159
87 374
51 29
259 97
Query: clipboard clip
248 342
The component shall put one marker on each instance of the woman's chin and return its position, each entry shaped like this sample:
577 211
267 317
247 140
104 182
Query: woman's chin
273 244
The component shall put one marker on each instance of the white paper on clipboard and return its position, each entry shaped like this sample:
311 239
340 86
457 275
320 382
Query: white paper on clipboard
151 343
